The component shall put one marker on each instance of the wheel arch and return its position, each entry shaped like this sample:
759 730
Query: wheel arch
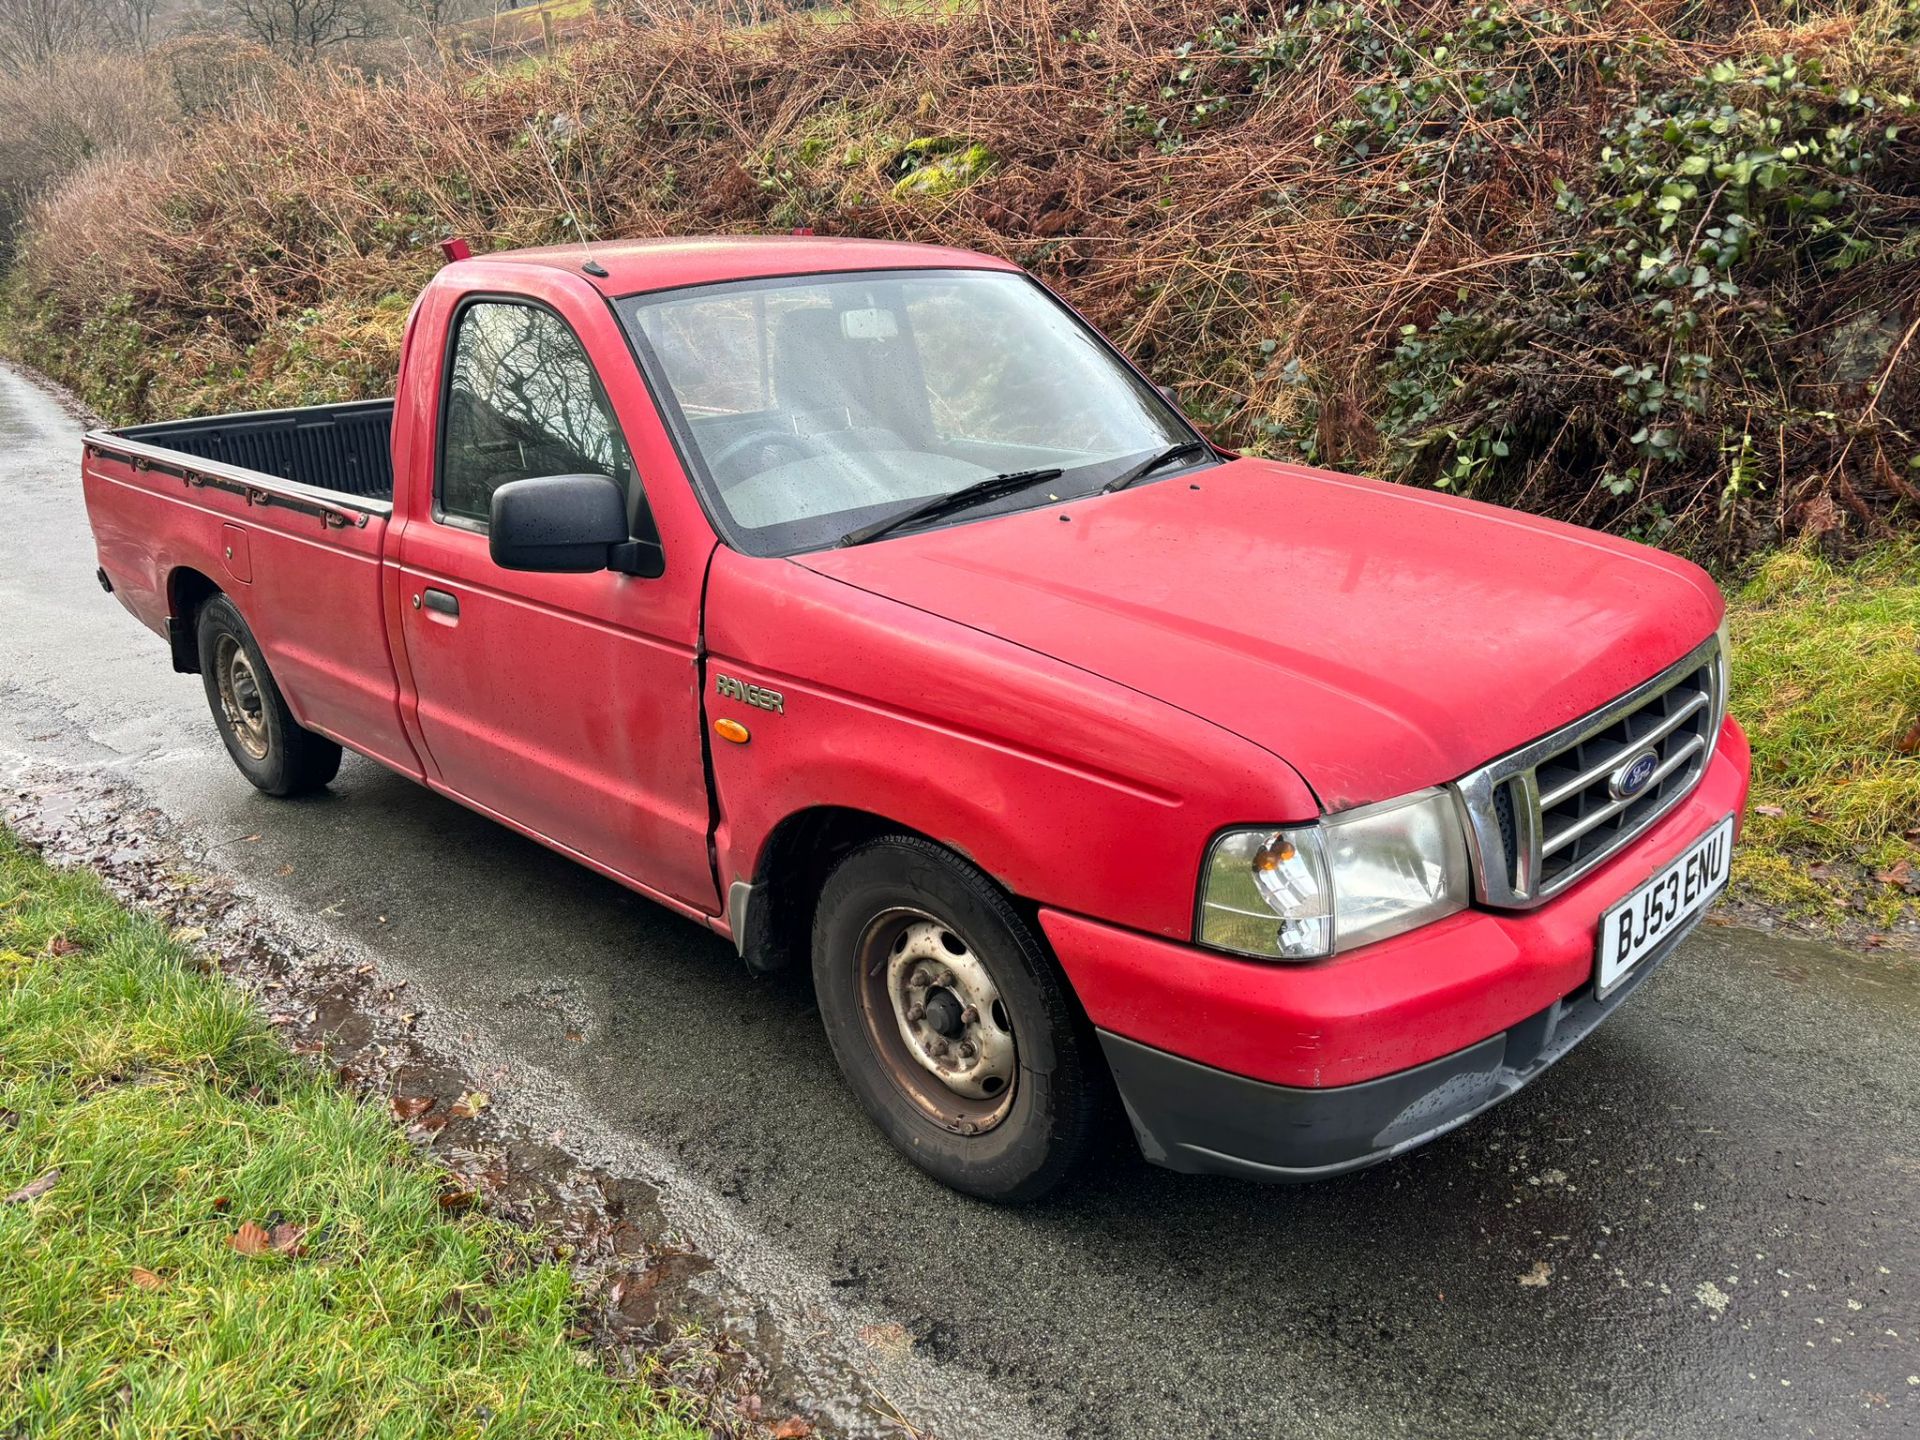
771 916
187 590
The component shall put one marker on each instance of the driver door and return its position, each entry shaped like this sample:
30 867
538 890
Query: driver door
565 705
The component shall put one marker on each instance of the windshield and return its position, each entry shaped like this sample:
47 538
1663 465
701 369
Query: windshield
811 407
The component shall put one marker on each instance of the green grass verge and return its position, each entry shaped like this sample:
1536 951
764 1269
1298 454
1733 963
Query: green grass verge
1826 678
172 1115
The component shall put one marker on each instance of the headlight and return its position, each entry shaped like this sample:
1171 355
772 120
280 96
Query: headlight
1312 890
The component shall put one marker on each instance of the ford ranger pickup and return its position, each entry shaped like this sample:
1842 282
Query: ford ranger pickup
859 602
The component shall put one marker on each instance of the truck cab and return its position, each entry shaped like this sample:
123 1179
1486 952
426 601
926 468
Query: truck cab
859 602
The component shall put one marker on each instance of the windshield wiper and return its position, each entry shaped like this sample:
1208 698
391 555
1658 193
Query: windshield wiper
964 498
1147 467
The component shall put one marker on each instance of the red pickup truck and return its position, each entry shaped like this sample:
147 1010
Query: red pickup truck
858 601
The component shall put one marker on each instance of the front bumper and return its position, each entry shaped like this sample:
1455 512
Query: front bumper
1299 1071
1195 1118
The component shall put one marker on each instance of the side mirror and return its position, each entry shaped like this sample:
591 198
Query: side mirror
1169 394
566 524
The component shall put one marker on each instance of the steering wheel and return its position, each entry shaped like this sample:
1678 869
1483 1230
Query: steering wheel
765 436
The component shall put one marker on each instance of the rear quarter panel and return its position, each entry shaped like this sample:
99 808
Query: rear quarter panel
313 600
1068 789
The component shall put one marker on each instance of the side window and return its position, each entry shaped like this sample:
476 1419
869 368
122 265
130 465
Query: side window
522 400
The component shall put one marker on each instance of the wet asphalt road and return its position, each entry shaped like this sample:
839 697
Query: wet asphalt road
1705 1222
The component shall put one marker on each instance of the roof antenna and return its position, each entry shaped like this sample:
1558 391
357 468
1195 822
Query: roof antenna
589 265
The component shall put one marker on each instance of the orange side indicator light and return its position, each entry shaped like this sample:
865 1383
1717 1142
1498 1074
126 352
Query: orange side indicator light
731 730
1270 860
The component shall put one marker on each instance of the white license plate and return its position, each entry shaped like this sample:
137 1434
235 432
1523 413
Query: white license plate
1633 929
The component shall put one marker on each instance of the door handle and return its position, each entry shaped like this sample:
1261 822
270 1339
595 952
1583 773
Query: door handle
441 602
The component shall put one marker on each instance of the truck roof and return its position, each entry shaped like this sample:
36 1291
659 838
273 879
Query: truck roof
634 266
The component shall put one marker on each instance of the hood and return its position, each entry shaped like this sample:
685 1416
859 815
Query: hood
1377 638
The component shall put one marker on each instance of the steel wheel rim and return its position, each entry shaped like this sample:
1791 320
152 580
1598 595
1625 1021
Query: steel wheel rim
936 1020
241 698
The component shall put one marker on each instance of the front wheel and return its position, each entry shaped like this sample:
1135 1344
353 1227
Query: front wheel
950 1023
272 749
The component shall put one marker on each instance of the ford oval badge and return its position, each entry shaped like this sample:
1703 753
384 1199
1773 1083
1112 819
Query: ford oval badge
1634 774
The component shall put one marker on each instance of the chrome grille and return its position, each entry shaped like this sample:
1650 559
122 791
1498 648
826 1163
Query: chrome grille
1541 817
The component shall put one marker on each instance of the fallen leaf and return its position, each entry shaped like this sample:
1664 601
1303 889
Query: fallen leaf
33 1189
1538 1276
146 1279
1908 743
455 1306
250 1239
1901 875
471 1104
407 1107
454 1198
220 1202
792 1428
287 1239
60 945
1773 810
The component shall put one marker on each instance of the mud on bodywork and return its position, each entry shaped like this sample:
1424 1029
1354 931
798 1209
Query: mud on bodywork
649 1302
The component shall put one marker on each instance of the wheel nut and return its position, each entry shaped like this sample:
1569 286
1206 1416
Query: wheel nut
970 1014
916 1013
936 1047
964 1050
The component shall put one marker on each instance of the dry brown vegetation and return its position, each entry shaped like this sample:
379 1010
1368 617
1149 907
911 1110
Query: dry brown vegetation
57 118
1648 265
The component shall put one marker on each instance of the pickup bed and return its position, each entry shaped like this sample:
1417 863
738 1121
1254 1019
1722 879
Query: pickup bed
860 603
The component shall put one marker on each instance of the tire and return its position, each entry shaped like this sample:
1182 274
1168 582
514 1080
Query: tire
895 916
271 748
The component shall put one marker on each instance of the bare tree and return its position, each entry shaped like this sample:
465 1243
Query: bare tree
34 32
128 24
433 16
302 29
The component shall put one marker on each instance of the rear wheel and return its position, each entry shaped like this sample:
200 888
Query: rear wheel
952 1026
271 748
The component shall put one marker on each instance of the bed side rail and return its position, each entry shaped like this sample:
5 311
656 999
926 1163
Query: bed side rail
344 448
334 509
